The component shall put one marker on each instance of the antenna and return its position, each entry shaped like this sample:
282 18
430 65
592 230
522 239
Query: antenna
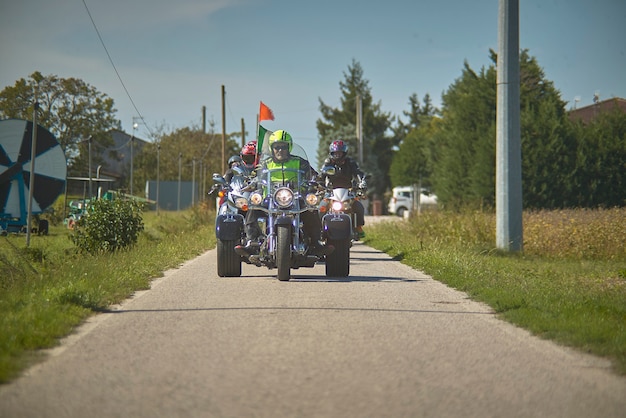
596 96
576 100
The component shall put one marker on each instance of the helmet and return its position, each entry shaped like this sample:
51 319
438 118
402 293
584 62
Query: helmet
234 159
338 150
281 136
248 153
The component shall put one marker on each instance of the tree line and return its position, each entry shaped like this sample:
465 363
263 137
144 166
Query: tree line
450 150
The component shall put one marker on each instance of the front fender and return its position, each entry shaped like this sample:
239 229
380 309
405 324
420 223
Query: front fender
337 227
228 227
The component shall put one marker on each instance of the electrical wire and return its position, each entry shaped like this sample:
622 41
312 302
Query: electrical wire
115 69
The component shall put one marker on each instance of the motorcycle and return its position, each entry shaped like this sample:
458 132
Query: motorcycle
229 223
339 224
283 244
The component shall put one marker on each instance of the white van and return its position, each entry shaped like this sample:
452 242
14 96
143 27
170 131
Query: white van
402 200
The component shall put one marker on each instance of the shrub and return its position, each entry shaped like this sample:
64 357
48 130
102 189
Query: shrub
109 226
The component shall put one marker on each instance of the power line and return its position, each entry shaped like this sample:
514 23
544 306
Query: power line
115 69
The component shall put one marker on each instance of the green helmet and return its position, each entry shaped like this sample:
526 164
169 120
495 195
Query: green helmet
281 136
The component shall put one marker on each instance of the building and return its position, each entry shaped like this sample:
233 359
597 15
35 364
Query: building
112 162
589 113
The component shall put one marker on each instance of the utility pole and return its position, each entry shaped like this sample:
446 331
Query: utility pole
90 181
508 142
31 181
223 129
180 169
203 119
158 185
243 133
359 126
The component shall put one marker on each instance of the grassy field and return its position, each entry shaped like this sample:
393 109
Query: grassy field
568 286
49 288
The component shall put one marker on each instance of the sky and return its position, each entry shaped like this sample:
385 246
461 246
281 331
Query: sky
171 58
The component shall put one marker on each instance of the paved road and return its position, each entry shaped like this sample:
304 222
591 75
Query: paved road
386 342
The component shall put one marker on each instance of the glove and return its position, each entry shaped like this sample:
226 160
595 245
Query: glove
363 185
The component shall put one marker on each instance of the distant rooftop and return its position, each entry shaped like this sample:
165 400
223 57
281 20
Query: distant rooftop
588 113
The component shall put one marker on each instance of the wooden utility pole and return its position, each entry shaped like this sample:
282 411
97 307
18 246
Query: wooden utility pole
359 126
243 133
223 129
31 181
203 119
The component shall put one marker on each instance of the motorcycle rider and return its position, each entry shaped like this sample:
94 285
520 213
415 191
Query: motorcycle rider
347 174
247 159
281 143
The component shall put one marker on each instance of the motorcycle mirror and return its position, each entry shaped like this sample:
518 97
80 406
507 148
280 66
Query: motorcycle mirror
217 178
329 170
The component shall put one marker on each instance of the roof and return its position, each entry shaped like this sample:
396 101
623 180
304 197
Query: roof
588 113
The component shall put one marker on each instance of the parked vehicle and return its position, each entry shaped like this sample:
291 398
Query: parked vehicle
339 225
403 200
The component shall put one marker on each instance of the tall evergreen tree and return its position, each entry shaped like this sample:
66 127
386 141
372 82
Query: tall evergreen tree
464 166
334 121
600 177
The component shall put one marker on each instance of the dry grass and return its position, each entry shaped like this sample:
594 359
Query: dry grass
576 233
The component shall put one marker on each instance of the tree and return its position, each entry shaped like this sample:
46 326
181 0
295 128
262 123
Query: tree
376 147
600 176
464 166
412 163
415 142
190 147
68 107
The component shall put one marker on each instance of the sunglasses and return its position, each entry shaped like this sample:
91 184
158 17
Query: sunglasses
281 147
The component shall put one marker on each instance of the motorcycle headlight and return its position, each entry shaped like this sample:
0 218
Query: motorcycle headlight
241 203
337 206
283 197
256 198
312 199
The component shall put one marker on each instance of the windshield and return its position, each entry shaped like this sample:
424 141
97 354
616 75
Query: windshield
295 150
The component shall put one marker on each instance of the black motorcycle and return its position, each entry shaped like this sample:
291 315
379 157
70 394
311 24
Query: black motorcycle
229 223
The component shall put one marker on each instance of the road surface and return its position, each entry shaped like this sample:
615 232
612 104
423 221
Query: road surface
388 341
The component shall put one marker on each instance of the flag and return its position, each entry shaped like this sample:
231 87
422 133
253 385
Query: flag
262 140
265 113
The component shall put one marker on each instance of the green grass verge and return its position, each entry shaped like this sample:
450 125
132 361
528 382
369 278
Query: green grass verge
49 288
574 301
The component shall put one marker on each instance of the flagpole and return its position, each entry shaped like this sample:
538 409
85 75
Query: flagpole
258 151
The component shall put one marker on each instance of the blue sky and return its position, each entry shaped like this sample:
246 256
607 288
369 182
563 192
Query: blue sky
174 56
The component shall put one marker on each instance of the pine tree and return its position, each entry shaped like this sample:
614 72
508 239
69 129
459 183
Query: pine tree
339 121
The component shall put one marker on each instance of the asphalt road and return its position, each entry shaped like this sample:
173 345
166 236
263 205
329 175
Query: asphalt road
386 342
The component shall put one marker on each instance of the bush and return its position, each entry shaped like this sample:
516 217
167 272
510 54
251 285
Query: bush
109 226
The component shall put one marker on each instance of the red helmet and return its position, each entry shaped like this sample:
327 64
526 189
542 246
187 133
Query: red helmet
338 150
248 153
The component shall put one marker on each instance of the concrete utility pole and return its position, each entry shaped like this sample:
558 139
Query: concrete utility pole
508 142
